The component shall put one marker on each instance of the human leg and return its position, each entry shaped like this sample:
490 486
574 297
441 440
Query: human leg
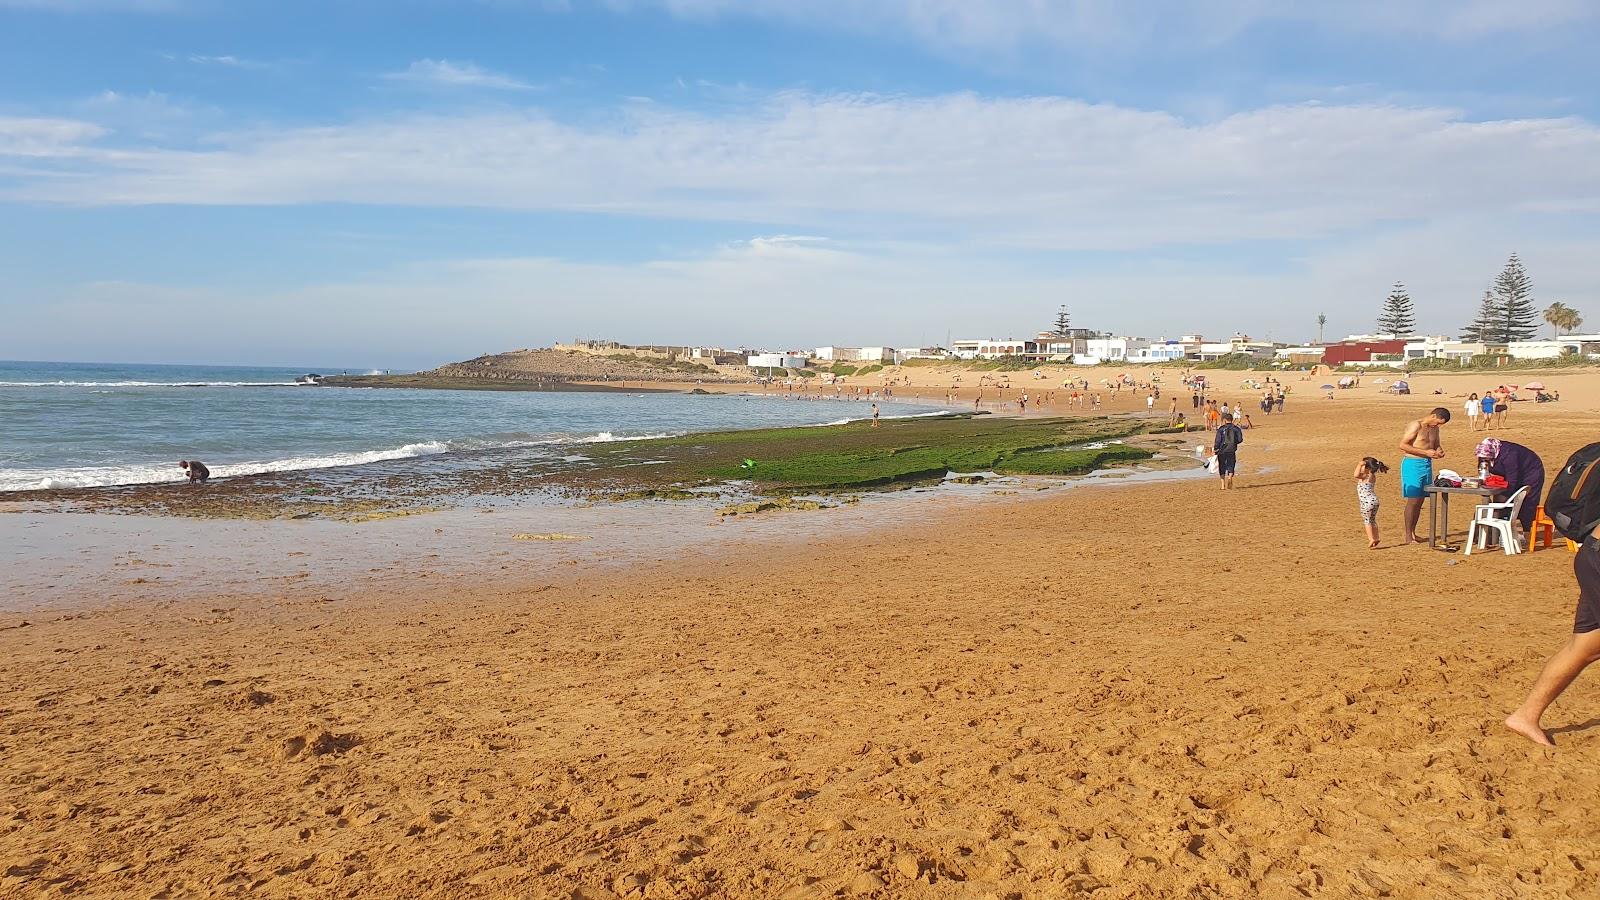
1415 474
1409 518
1581 649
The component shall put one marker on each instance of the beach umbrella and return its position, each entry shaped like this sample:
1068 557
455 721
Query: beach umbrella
1402 384
1534 385
1327 387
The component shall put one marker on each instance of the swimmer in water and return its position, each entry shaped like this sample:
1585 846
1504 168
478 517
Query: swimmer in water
198 473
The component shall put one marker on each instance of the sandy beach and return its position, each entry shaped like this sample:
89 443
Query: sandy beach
1154 689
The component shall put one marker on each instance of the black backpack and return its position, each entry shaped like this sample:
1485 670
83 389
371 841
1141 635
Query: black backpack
1574 499
1228 439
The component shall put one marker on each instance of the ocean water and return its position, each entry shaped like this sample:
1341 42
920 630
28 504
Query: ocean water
68 425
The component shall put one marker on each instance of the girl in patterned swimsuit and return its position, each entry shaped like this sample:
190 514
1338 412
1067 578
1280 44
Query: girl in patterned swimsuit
1367 473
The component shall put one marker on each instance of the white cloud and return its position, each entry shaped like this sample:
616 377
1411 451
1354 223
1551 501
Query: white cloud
77 6
444 73
1039 172
1005 24
32 137
226 60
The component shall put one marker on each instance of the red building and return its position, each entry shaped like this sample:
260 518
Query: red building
1359 351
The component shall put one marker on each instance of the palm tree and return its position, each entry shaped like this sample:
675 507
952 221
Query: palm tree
1321 321
1556 315
1562 318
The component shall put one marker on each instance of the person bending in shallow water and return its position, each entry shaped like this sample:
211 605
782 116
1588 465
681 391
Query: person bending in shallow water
198 473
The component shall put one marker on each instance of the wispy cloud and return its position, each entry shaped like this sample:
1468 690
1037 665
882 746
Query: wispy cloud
78 6
35 137
1003 24
226 60
1041 172
444 73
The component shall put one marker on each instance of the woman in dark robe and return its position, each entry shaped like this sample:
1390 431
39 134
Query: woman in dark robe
1520 467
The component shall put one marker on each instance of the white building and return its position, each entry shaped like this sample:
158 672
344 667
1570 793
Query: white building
1239 343
965 349
1299 354
1114 349
1442 347
905 353
1566 345
993 348
776 361
854 354
1158 352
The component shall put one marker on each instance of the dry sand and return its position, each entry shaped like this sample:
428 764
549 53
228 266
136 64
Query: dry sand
1155 690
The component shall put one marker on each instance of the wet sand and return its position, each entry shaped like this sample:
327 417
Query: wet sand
1148 690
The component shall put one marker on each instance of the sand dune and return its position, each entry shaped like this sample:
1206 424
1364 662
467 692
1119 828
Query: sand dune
1152 690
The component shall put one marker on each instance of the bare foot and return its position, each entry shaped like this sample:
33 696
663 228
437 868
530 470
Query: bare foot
1419 540
1529 730
1372 545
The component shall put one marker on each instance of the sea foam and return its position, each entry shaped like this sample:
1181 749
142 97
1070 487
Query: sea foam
108 476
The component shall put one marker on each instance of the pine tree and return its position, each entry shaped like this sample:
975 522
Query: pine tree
1515 318
1483 327
1063 323
1397 318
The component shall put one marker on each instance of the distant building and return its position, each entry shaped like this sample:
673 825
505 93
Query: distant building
776 361
993 348
1357 353
905 353
1566 345
855 354
1159 352
1441 347
1110 349
1303 355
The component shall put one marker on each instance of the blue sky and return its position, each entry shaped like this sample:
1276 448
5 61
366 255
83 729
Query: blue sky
401 183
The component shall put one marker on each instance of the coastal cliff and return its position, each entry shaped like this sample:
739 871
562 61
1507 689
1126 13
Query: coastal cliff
548 370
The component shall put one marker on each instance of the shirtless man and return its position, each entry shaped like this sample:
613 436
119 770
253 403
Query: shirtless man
1420 444
198 473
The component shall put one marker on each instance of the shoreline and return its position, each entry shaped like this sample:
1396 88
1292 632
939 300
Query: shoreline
653 467
460 383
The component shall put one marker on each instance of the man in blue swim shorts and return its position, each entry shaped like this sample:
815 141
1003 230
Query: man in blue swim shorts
1421 447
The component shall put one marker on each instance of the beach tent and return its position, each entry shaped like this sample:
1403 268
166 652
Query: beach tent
1534 385
1346 381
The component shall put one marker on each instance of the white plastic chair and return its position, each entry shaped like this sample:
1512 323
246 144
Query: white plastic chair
1486 518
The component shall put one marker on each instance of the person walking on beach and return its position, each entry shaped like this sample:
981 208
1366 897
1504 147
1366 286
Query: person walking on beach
1487 404
1367 472
1421 447
1583 646
198 473
1226 448
1473 407
874 415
